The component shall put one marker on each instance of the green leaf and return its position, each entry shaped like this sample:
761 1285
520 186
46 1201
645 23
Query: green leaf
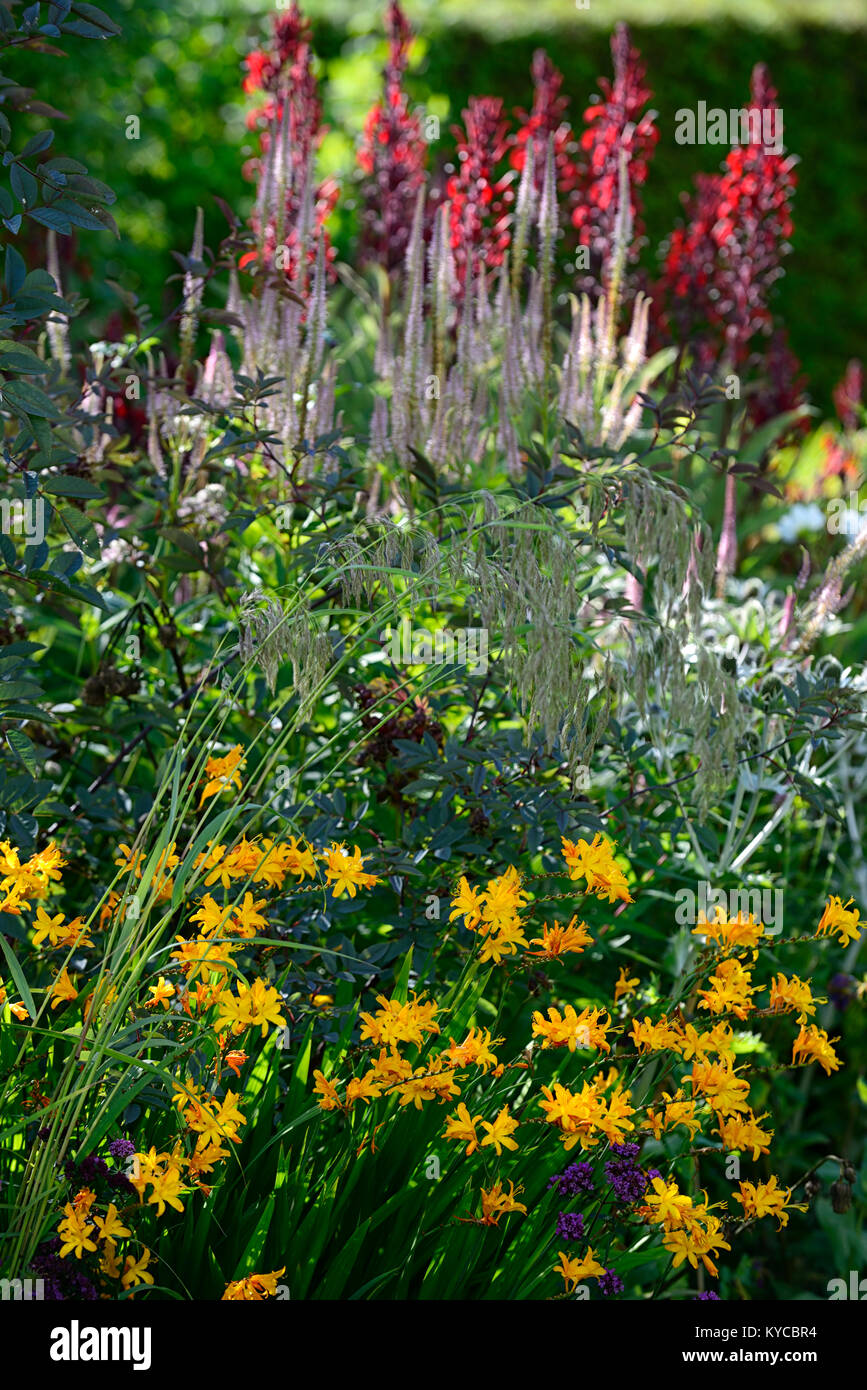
256 1244
68 486
23 748
82 531
20 982
23 395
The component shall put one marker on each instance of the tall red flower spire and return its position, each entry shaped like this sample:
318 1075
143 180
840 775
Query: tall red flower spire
721 265
479 196
617 124
393 156
547 118
290 115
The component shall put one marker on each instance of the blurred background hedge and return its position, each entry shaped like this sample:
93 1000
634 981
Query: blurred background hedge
179 69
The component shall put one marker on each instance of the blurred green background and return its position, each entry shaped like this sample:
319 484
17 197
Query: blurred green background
179 69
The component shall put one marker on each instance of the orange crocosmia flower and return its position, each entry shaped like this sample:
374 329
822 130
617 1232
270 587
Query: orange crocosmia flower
63 990
793 995
625 984
496 1202
813 1045
500 1132
595 863
222 772
559 941
467 904
462 1126
840 918
345 872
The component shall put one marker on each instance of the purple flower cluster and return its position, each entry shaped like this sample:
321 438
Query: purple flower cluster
62 1281
88 1171
570 1226
610 1283
92 1170
578 1177
709 1297
624 1176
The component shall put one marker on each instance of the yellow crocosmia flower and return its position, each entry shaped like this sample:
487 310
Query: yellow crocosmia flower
503 942
626 984
108 1264
840 918
675 1111
47 863
127 859
462 1126
574 1270
429 1082
559 941
667 1205
730 990
111 1227
329 1096
468 903
345 873
50 928
595 863
503 902
223 772
75 1232
248 919
572 1029
496 1202
166 1188
767 1199
206 1156
19 1012
63 990
655 1037
696 1242
162 992
500 1132
395 1022
793 994
211 916
475 1050
726 1092
265 1006
813 1045
229 1116
255 1288
568 1270
745 1132
135 1271
366 1088
203 957
295 857
390 1069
